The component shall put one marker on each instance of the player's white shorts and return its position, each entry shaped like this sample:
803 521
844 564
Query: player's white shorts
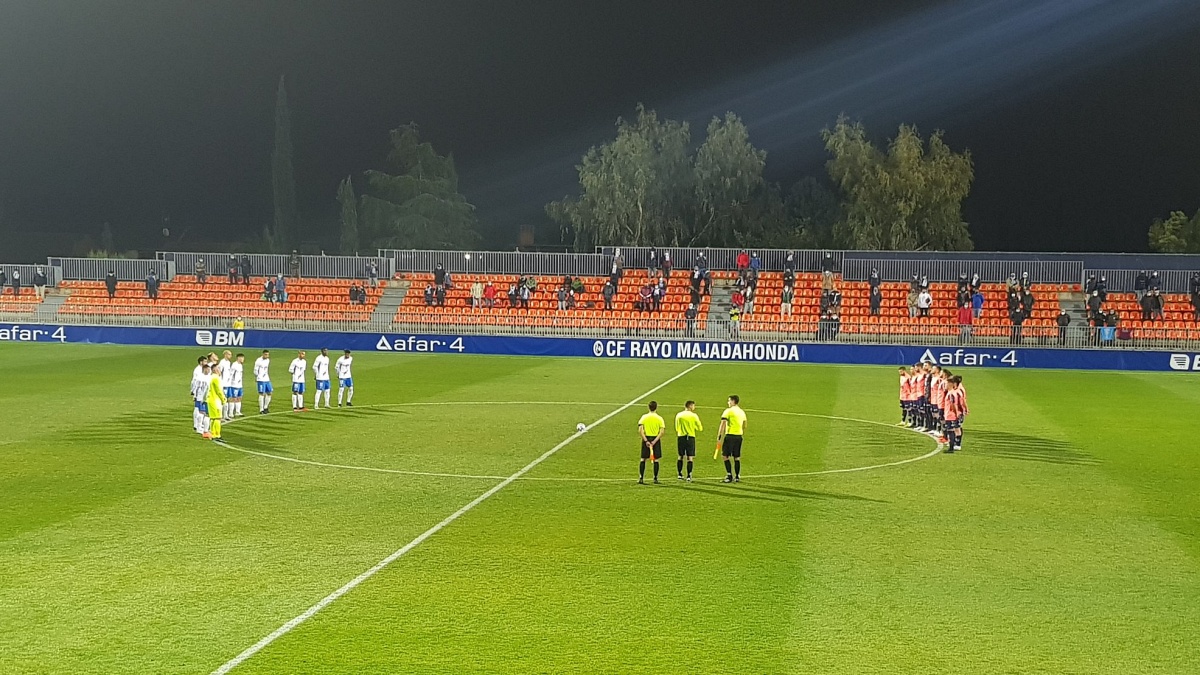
347 381
322 385
265 388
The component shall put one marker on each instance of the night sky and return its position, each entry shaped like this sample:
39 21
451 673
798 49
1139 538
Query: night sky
129 112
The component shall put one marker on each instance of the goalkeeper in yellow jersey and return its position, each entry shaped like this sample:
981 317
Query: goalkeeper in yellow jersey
216 400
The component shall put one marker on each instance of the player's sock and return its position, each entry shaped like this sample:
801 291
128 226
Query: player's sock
689 467
642 470
216 428
195 419
237 408
679 466
350 394
655 470
341 390
728 468
958 439
737 468
326 398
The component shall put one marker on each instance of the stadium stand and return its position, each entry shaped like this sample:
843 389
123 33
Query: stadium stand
25 303
543 306
308 299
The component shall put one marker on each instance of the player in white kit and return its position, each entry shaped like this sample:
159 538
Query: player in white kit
262 377
345 379
296 369
321 374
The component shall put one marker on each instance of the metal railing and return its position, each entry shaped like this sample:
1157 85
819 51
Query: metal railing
95 269
1123 281
270 264
28 272
722 258
756 327
989 271
497 262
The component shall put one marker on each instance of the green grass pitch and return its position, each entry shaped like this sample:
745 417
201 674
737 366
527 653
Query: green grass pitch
1064 539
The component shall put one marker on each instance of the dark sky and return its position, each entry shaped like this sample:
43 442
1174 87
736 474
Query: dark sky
1082 131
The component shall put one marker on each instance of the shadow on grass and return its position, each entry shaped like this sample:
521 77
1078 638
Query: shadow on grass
1026 448
802 494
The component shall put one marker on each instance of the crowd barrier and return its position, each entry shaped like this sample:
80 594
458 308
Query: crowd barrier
28 272
264 264
611 348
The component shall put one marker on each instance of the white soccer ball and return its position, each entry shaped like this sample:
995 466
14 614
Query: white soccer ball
581 427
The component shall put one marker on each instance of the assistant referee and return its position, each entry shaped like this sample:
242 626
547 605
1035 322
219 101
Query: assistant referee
733 425
650 428
687 425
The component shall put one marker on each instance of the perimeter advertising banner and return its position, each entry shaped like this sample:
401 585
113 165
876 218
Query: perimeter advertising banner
611 348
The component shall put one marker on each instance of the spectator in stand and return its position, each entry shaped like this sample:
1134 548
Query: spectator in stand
785 303
1154 284
201 270
1156 304
15 281
1013 299
439 296
531 283
1027 302
662 290
826 281
735 322
477 294
914 284
645 301
690 316
152 284
526 291
742 262
617 269
912 303
751 292
656 296
1194 292
572 302
1017 316
489 295
428 295
828 263
962 297
439 275
1089 285
666 265
294 264
924 282
1095 308
789 264
269 289
1102 286
752 278
876 300
514 295
562 297
245 269
1140 283
651 262
924 302
238 323
1146 301
1025 283
696 281
965 319
738 299
1063 320
789 279
963 285
39 283
281 295
3 281
873 279
577 285
1011 283
110 283
373 274
353 294
705 274
755 264
232 268
976 303
609 290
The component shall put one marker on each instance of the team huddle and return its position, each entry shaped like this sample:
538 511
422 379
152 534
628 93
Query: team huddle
651 428
934 400
217 386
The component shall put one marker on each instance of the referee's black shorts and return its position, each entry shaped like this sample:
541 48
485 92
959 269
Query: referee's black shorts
732 446
687 446
657 445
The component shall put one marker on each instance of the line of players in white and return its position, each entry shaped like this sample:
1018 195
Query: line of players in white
217 386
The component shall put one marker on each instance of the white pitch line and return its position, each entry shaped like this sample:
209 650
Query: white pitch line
353 583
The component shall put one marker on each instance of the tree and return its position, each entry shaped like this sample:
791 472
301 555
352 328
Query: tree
908 198
416 206
730 193
812 211
349 238
283 176
1176 234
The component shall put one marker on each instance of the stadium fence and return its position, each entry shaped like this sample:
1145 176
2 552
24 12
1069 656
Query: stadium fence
27 272
270 264
95 269
498 262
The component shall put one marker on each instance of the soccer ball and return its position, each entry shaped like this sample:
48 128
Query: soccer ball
581 427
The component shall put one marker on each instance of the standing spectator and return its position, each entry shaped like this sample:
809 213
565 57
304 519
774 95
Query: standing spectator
439 296
1194 292
245 270
571 300
738 299
789 278
1094 306
975 283
514 296
914 284
1156 304
1011 283
1025 283
965 319
735 321
524 292
562 298
785 304
651 262
742 261
294 264
201 269
1102 285
912 303
281 295
232 268
695 281
1140 284
789 264
1027 302
705 274
690 316
976 303
617 270
439 275
924 302
3 281
477 294
1017 317
751 292
373 274
269 289
666 265
1062 321
16 281
873 279
110 283
826 281
1014 299
353 294
428 295
609 290
828 263
963 285
876 300
1090 285
662 291
1154 284
39 283
489 295
152 284
656 297
755 263
1146 302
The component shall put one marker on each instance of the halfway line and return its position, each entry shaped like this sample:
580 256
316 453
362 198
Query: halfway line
350 585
